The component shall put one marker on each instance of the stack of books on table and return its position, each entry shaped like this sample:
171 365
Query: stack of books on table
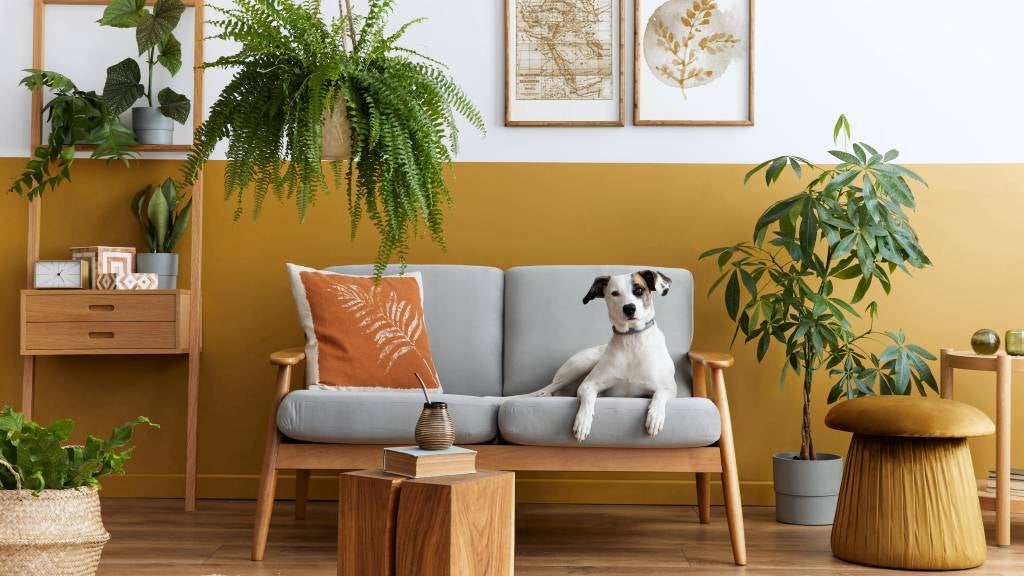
1016 482
413 462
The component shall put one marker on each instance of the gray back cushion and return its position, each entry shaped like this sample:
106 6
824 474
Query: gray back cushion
546 321
462 306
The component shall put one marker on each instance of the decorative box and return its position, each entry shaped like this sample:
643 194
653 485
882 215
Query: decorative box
133 281
64 274
106 259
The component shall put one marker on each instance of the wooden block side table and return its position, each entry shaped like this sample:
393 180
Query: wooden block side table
367 510
1003 365
461 525
456 525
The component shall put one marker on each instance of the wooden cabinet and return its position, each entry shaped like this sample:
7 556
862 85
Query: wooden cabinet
104 322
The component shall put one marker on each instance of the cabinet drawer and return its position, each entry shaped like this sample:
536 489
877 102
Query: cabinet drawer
98 336
100 307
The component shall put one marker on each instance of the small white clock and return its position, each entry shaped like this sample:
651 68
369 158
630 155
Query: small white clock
66 274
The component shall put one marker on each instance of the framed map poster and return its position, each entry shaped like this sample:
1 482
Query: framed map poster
563 62
693 63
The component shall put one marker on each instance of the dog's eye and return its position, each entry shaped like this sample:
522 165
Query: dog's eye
637 290
615 293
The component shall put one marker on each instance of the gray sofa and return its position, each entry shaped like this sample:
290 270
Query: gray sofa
496 334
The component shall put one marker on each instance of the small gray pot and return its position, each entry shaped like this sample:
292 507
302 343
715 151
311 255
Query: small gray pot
151 126
163 264
806 491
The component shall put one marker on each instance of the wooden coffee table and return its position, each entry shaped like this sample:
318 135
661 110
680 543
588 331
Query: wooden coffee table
445 525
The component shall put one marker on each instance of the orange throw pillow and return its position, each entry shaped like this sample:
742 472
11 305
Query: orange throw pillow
362 335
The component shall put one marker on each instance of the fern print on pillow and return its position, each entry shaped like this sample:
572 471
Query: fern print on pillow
362 335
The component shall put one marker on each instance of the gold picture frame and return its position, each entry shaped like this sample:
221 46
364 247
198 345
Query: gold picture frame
643 17
557 112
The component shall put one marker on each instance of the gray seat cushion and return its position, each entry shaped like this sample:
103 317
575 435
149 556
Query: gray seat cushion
342 417
546 321
462 308
618 423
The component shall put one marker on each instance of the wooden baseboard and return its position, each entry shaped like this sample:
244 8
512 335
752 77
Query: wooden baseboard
585 489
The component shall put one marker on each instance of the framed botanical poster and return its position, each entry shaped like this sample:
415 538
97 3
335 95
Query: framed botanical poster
693 63
564 62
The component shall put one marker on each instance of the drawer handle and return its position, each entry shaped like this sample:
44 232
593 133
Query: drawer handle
101 335
101 307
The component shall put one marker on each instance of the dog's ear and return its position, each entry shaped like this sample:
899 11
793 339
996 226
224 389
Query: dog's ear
597 289
656 281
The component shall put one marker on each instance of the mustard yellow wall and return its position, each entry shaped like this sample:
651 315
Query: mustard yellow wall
506 215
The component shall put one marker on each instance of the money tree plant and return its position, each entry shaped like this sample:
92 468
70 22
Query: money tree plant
154 34
848 227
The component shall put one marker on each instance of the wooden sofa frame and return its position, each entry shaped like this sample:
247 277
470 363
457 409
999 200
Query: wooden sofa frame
305 457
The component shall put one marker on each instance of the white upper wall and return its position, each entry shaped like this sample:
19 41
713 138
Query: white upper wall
937 79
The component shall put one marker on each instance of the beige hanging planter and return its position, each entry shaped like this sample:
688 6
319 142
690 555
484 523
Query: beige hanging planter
336 138
58 532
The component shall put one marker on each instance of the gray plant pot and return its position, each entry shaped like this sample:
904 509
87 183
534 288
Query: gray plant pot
152 127
163 264
806 491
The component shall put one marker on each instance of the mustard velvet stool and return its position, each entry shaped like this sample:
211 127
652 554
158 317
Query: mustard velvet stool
909 498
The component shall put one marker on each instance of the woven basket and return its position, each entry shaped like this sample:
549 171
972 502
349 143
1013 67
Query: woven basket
58 533
336 135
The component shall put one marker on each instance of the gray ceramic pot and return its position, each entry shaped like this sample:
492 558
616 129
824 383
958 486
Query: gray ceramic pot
806 491
163 264
151 126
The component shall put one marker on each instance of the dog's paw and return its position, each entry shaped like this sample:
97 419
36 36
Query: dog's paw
581 427
655 421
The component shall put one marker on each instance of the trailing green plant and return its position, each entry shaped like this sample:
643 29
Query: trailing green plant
163 215
847 227
154 34
37 455
292 67
75 117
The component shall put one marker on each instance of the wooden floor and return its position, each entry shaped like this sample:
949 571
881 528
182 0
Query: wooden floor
150 537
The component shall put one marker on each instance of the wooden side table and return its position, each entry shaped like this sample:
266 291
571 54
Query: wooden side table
443 526
1003 365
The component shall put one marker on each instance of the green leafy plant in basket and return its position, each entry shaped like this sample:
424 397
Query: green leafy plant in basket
848 226
298 78
76 117
163 215
154 35
37 455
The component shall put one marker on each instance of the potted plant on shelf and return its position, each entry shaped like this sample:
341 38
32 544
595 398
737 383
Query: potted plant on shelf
847 227
50 519
163 216
76 117
298 79
154 34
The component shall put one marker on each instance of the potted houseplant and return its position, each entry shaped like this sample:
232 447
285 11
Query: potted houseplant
154 34
163 215
391 108
75 117
847 227
50 519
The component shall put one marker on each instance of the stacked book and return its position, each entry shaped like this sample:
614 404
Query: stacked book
413 462
1016 482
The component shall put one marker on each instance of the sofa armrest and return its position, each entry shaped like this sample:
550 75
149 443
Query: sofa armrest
712 359
287 357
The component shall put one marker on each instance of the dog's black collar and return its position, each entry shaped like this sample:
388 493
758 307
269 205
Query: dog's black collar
634 330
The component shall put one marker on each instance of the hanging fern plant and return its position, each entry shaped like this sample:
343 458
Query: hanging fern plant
293 70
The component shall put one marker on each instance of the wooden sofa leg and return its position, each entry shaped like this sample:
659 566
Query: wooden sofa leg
301 493
730 479
704 497
268 478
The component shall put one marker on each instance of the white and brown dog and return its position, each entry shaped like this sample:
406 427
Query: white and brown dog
635 363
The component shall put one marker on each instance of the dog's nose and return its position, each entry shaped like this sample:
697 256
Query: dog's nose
629 310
